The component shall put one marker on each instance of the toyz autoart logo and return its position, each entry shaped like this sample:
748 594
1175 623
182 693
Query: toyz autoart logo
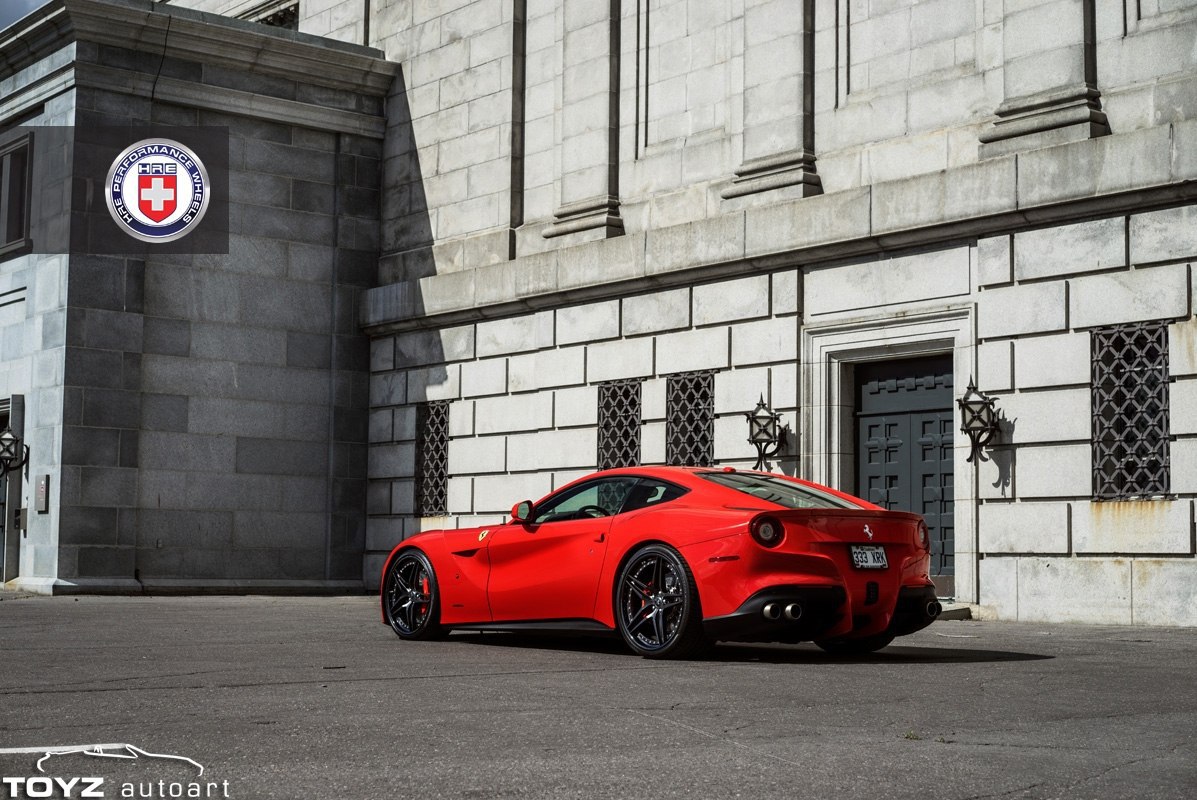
157 190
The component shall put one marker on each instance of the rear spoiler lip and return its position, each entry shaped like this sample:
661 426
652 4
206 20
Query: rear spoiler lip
881 515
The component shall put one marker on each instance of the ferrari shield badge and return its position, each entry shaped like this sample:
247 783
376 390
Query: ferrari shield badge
157 190
485 532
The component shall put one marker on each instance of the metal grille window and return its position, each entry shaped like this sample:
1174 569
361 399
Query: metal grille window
1130 412
690 419
14 194
619 419
432 459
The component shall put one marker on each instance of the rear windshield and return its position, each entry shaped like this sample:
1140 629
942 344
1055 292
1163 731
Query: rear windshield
776 490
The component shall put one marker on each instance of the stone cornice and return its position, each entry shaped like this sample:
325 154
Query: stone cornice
217 98
195 36
1113 174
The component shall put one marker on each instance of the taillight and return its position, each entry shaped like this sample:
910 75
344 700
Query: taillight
923 534
767 531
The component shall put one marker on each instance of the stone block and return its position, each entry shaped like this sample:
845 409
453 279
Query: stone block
731 440
630 358
515 335
995 366
477 455
652 398
995 262
488 376
403 497
1169 235
999 587
787 292
1052 416
433 383
1069 249
381 426
391 461
692 350
708 241
1182 348
575 407
186 451
388 389
768 341
659 311
1094 167
461 418
1058 360
548 369
433 347
281 457
383 533
943 196
1023 528
573 448
1092 591
1165 592
1138 296
652 443
1054 471
605 261
737 391
524 412
527 277
1133 526
588 323
1035 308
496 494
729 301
886 281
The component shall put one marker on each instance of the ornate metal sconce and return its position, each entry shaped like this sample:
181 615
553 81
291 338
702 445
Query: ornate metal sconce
13 454
765 432
978 420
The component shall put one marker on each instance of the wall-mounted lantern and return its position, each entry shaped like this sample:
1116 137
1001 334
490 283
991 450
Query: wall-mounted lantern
765 432
978 420
13 454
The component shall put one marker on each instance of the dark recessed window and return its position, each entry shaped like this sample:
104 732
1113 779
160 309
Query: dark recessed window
432 459
619 419
690 419
1130 412
15 164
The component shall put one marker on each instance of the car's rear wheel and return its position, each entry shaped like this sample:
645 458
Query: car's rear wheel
656 605
411 598
856 647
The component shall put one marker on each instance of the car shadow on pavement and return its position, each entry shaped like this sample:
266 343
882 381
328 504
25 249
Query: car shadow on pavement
747 653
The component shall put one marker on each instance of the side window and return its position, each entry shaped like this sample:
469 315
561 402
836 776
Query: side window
649 492
14 195
601 498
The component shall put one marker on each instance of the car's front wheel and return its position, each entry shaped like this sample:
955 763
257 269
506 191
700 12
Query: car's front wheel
656 605
410 597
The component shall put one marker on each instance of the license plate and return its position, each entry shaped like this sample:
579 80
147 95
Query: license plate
869 557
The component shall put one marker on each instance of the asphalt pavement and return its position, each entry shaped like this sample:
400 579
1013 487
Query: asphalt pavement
314 698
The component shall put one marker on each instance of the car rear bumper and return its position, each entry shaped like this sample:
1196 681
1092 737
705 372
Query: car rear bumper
782 614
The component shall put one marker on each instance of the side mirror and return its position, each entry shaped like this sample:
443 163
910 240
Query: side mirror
521 511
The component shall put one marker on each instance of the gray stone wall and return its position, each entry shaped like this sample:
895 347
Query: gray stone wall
212 420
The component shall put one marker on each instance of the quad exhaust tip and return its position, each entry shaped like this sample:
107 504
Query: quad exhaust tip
793 611
772 611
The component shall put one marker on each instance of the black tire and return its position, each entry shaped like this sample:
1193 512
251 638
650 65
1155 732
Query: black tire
656 605
411 599
856 647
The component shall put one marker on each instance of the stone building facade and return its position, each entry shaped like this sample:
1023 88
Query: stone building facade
605 229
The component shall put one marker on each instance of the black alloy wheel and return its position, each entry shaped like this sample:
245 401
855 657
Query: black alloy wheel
656 605
410 598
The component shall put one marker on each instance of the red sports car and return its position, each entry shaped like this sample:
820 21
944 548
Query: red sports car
674 559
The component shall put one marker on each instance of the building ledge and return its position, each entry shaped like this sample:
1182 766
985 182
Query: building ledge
1134 171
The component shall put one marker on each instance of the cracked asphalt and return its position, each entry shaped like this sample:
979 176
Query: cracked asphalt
313 698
